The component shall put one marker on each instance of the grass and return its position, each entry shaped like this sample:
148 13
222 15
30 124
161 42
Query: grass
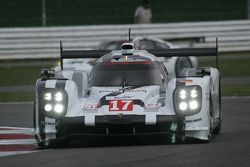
17 97
22 72
235 90
230 65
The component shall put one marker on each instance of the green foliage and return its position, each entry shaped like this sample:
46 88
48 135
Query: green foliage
95 12
22 73
17 97
230 66
235 90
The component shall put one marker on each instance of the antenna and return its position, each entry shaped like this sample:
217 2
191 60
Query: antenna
61 55
129 33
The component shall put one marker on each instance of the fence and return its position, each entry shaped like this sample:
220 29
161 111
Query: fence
43 42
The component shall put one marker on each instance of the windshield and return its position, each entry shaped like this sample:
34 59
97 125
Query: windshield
126 73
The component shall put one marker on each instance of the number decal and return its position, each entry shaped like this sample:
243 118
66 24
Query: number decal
121 105
113 105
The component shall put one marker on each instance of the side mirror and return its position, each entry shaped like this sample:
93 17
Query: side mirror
47 73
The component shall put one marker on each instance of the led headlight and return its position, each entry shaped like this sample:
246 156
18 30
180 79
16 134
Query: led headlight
47 96
194 93
194 105
187 100
183 106
54 102
58 108
58 96
48 107
183 94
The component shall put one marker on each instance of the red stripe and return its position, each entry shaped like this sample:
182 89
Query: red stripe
23 147
16 136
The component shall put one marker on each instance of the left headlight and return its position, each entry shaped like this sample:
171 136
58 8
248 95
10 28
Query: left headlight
54 102
187 100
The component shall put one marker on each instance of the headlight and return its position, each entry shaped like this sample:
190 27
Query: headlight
194 105
48 107
47 96
183 106
58 108
187 100
194 93
58 96
183 94
54 102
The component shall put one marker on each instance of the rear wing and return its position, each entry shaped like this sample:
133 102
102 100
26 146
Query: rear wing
176 52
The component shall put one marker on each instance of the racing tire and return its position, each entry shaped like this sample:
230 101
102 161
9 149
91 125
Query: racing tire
210 136
217 129
54 144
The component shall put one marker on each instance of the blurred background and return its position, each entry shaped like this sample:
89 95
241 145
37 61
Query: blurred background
29 13
30 31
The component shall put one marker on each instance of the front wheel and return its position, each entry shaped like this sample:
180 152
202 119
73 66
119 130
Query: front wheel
54 144
217 129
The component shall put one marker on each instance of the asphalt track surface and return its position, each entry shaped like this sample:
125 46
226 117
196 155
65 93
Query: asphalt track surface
230 148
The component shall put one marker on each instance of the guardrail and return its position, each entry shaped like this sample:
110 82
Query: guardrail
43 42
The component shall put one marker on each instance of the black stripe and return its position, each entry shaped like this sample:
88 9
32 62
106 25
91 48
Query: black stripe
60 84
41 117
181 122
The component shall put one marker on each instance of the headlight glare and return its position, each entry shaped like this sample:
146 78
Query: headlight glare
47 96
193 105
58 108
183 94
54 102
48 107
59 96
183 106
194 93
187 100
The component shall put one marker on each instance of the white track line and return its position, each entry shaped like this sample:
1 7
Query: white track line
17 141
9 153
29 102
16 128
16 132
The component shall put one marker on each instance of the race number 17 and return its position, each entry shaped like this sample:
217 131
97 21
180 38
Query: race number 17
120 105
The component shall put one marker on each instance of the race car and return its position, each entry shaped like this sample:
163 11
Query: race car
174 64
128 92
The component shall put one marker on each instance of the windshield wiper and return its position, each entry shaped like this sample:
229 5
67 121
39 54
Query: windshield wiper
123 82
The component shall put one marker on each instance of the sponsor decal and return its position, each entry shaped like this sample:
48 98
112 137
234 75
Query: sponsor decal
195 120
123 90
121 105
152 107
89 108
151 110
118 98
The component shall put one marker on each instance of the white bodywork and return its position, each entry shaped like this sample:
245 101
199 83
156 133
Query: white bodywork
84 101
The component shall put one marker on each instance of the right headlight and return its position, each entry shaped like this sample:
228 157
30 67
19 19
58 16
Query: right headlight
54 102
187 100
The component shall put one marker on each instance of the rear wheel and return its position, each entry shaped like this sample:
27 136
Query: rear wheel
211 119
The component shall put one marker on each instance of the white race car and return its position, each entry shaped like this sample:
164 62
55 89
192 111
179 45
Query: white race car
127 92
